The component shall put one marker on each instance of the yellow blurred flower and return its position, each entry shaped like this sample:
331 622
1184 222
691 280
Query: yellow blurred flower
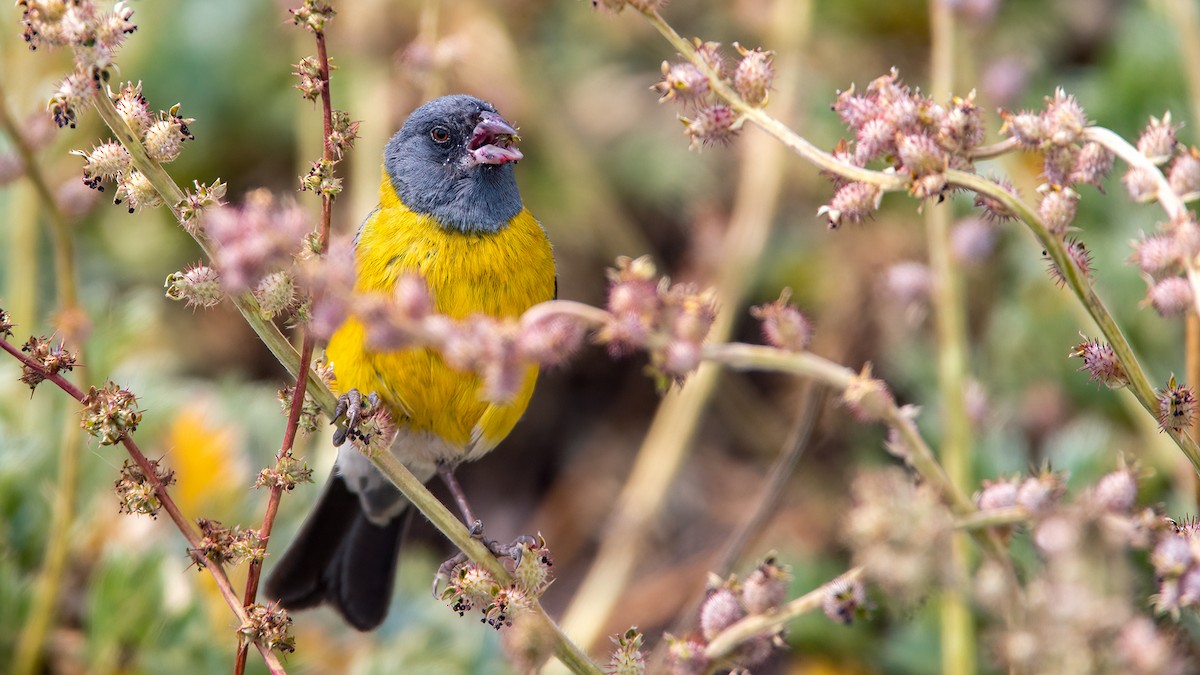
206 465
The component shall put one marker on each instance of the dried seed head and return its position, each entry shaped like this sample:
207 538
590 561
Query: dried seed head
276 293
136 190
868 398
199 285
106 162
226 545
844 600
766 587
853 202
721 609
874 139
313 15
686 656
1184 175
855 110
110 413
270 626
1141 184
1157 141
627 658
137 494
1185 234
1170 296
73 92
1026 127
1117 491
133 109
1173 555
255 239
710 54
343 132
288 472
998 494
962 127
682 82
1101 363
1079 255
551 340
308 70
470 586
753 75
1155 254
322 179
1093 163
896 530
783 325
197 200
1064 120
534 572
164 140
1176 407
920 155
1038 493
1057 208
53 359
714 124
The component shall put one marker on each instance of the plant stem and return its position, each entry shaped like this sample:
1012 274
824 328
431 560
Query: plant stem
1186 21
306 354
668 441
453 529
216 570
949 308
728 640
980 520
1139 385
792 140
54 563
267 331
755 357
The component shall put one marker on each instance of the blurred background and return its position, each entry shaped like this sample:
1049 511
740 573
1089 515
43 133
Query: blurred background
608 172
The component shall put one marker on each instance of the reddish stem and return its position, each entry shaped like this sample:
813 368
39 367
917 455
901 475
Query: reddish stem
326 146
306 353
168 504
285 448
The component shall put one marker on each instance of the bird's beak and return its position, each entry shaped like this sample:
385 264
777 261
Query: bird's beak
493 141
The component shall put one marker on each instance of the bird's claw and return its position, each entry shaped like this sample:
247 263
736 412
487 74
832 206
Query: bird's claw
445 569
514 551
350 405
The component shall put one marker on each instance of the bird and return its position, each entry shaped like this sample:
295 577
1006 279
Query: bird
449 211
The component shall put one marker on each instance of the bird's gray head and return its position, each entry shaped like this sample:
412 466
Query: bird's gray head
453 160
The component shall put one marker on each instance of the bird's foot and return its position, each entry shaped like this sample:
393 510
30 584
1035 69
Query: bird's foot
350 405
514 551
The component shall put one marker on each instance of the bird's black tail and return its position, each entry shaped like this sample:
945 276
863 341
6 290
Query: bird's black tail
340 557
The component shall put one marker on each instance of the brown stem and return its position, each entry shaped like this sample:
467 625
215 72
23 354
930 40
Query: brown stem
168 504
327 148
306 354
250 596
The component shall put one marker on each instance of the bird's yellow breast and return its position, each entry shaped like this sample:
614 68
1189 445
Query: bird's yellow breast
499 274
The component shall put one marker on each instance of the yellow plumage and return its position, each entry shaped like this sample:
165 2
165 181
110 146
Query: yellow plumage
499 274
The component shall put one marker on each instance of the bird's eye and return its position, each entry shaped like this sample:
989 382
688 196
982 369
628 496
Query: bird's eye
439 134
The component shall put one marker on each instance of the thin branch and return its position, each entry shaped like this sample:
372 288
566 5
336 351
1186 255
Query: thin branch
173 197
216 570
728 640
1138 382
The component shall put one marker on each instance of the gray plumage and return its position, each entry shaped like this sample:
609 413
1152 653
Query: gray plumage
440 179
